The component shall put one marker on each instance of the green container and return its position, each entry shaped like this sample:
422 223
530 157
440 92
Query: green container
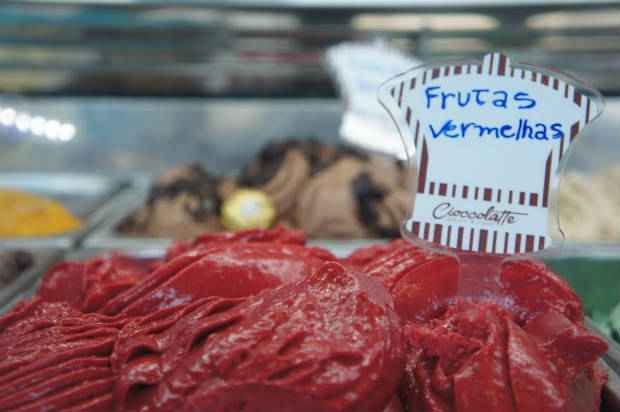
597 281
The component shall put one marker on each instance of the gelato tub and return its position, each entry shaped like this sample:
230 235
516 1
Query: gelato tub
70 204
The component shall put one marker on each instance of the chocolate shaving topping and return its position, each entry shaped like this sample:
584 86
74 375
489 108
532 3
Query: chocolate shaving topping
281 169
259 171
367 195
320 156
191 180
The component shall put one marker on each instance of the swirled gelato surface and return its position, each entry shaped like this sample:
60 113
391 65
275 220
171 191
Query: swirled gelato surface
255 321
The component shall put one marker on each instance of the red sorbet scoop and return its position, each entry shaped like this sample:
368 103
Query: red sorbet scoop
231 270
476 357
53 357
279 234
514 329
420 280
89 285
330 342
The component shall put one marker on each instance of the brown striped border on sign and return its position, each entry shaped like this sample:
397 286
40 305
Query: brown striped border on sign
482 241
487 241
443 189
489 194
423 168
437 233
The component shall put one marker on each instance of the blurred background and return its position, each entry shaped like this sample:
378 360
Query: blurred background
124 90
100 68
271 48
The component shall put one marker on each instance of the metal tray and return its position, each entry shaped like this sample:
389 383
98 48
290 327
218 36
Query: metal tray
148 252
107 237
84 195
44 258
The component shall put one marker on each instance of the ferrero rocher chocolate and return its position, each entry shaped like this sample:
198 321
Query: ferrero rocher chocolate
248 209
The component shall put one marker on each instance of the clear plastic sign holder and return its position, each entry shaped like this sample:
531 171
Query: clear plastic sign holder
489 140
358 69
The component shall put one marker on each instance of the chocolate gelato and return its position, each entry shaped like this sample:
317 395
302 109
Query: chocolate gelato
356 197
327 190
280 171
332 191
182 204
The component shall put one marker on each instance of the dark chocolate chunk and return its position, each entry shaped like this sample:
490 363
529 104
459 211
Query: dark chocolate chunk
198 184
12 263
268 162
368 195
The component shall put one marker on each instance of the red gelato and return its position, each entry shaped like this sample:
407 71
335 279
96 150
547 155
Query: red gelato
55 358
487 335
255 322
478 345
89 285
330 342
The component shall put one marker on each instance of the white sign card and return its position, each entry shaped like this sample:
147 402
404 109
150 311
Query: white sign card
359 69
488 138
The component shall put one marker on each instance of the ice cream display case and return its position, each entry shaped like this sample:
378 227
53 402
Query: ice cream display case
216 245
585 264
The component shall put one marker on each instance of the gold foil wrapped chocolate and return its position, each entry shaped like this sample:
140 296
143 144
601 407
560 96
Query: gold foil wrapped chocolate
248 209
